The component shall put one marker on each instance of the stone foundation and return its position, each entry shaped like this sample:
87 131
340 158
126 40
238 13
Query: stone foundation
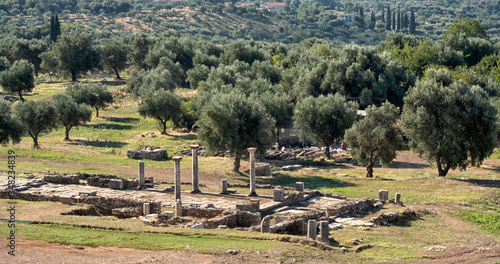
103 205
62 179
157 154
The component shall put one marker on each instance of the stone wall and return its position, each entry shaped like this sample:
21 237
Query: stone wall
103 205
102 180
196 212
262 170
386 219
351 206
157 154
62 179
296 225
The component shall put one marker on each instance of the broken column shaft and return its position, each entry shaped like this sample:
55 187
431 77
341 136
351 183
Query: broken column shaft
252 171
196 187
177 172
142 180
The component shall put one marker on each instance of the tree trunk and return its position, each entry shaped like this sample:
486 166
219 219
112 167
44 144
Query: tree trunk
21 96
442 171
327 151
96 111
66 138
236 164
164 128
117 74
369 169
73 75
35 140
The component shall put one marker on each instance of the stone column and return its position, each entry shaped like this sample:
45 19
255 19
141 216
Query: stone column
224 187
398 198
178 208
265 225
312 229
177 172
252 171
325 231
299 186
146 208
383 195
196 187
142 179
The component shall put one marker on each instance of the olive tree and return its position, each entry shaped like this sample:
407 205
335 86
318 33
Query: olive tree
161 105
19 78
70 113
323 119
448 122
114 56
375 137
37 117
75 53
11 128
232 121
92 94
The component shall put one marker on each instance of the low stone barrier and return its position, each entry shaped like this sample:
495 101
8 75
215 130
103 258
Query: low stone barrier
262 170
156 154
62 179
351 206
386 219
103 205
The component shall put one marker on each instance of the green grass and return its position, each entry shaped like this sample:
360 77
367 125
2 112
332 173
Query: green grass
198 243
489 221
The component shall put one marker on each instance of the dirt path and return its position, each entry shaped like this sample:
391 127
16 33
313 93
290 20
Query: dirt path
30 251
479 248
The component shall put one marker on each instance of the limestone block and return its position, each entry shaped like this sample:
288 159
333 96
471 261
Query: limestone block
278 195
116 184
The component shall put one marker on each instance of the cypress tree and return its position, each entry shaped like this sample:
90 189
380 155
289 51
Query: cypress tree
57 27
394 21
53 36
405 20
399 21
413 26
373 21
388 22
361 13
383 16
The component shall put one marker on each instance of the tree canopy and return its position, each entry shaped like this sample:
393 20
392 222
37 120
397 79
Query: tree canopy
375 137
75 53
448 122
232 121
18 78
161 105
11 128
92 94
114 56
323 119
69 113
37 117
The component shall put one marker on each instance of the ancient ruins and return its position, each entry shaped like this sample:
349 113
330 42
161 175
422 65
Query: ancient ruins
290 210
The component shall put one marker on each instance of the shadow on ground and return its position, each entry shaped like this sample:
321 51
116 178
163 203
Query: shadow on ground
483 183
99 144
184 137
122 119
110 126
408 165
113 83
311 182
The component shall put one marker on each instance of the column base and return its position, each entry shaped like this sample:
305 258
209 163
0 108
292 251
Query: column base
253 194
195 191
